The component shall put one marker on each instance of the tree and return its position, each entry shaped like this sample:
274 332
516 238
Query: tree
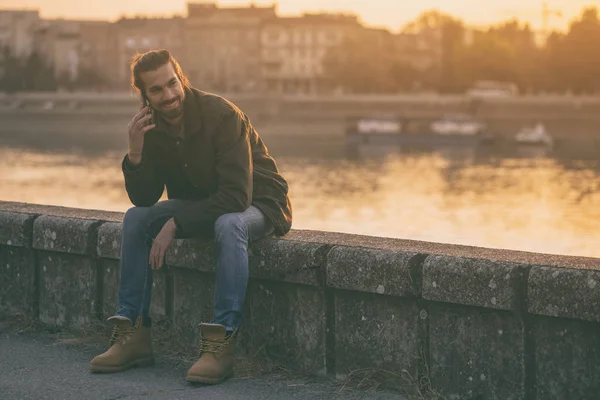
363 63
12 74
38 76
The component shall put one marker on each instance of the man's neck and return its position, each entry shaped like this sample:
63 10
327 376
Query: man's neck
175 125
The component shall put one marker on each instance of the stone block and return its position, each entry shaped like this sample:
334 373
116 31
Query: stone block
110 273
563 292
567 359
68 286
476 353
17 281
374 271
66 235
376 332
286 322
193 299
288 261
197 254
109 240
474 282
17 228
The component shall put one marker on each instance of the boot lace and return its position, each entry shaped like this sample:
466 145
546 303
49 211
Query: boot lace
124 334
215 345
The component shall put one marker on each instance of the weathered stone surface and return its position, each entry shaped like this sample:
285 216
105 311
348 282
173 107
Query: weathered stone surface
110 289
109 270
17 280
560 292
269 258
476 354
286 322
74 236
16 228
198 254
66 212
567 359
193 299
473 282
445 249
374 271
67 289
374 331
109 240
288 261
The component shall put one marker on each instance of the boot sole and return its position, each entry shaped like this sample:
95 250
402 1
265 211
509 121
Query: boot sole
207 380
141 362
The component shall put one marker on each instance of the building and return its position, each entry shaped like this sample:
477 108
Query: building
79 52
223 46
294 50
16 31
138 35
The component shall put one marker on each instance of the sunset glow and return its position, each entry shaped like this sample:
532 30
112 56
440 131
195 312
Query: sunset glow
388 13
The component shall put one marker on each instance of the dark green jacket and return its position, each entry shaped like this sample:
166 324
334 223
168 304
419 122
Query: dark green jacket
222 163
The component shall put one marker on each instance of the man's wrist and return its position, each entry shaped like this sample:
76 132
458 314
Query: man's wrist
134 158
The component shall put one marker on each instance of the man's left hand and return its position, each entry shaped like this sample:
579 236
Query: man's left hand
161 244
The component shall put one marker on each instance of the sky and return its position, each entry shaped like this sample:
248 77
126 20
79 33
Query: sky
391 14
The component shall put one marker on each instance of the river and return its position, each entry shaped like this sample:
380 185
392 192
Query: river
528 200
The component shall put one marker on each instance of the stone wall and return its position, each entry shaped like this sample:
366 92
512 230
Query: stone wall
478 323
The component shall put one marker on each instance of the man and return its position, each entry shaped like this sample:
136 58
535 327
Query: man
221 182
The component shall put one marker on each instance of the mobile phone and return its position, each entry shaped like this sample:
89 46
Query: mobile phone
146 103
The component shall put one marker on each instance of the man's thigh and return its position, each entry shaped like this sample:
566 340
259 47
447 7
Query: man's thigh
252 221
155 216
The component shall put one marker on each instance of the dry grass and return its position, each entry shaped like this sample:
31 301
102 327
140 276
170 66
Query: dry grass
253 363
417 387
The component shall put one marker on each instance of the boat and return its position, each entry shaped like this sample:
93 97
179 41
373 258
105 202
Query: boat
451 130
536 136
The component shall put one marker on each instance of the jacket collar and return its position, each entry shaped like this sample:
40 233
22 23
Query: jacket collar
192 113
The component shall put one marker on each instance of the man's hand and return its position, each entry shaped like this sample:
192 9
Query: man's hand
137 128
162 243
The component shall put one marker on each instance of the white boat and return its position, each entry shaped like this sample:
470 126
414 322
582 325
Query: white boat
534 136
457 125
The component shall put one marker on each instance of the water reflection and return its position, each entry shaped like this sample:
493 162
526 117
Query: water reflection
517 201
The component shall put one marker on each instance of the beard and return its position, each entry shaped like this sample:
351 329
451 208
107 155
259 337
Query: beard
174 112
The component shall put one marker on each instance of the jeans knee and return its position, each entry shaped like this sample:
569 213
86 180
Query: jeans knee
135 218
228 225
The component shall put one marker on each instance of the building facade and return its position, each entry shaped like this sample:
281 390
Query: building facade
223 46
138 35
293 51
16 31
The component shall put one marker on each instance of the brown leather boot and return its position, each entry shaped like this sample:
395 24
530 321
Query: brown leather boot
130 346
216 355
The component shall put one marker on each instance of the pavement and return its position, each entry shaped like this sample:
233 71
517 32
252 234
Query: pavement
45 366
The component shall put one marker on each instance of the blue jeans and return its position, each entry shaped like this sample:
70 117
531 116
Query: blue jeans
233 233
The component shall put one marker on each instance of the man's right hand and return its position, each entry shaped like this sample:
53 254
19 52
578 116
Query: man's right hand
138 126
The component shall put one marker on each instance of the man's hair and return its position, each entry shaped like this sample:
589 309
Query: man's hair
151 61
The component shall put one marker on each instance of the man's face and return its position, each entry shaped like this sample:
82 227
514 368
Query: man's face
164 91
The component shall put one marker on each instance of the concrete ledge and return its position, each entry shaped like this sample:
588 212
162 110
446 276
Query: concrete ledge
109 240
17 281
374 271
288 261
74 236
567 359
476 353
197 254
473 282
567 293
68 289
486 322
17 228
